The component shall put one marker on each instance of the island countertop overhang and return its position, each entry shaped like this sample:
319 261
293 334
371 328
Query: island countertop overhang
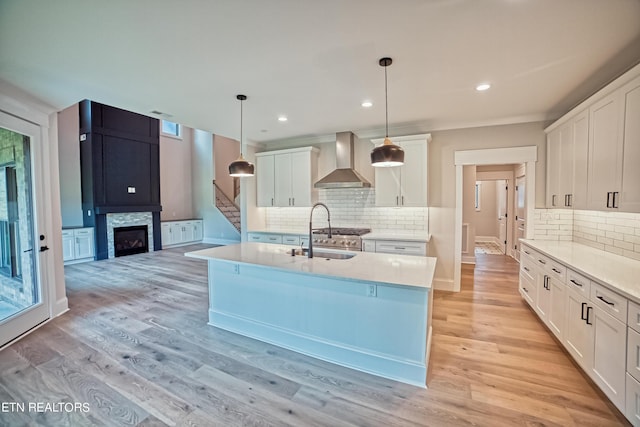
388 269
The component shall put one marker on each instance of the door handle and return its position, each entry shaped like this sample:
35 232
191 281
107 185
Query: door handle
609 199
44 248
553 200
587 319
28 250
615 199
582 311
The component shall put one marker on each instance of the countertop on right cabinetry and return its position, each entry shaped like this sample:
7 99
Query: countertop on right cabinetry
618 272
397 235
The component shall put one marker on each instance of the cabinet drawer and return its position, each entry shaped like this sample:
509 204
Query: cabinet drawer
528 268
633 353
82 232
67 233
609 301
255 237
556 270
527 289
291 240
579 283
527 252
400 247
633 317
273 238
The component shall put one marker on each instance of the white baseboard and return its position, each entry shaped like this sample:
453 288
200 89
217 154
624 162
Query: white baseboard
443 284
468 259
60 307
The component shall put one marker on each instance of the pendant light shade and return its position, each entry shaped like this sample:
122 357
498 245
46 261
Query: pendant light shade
241 167
388 154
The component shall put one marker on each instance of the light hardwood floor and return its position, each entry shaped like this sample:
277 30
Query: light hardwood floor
135 346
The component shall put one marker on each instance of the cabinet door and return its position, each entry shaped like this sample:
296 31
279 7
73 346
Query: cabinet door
554 140
197 231
84 243
413 183
556 316
543 295
630 192
265 181
527 289
565 169
387 186
282 179
577 337
166 234
188 231
605 151
632 404
609 354
301 185
68 246
580 160
176 232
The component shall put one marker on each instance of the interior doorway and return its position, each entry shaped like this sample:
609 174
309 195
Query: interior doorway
527 156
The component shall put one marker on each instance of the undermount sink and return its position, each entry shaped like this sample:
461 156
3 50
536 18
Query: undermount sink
319 253
333 255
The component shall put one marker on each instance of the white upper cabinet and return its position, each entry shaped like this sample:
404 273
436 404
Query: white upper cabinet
592 155
404 185
265 182
630 191
605 152
286 177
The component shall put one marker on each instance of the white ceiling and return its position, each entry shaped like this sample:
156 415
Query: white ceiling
316 61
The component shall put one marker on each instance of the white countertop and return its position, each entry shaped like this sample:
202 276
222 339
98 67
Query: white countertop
618 272
392 269
419 236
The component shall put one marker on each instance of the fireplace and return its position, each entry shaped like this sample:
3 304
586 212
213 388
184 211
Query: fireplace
130 240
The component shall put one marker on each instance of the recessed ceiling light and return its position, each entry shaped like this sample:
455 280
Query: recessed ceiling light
367 104
282 118
482 87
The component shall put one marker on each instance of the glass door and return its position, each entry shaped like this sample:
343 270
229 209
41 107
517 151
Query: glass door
23 299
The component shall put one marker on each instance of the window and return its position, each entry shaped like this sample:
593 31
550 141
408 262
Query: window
478 194
171 129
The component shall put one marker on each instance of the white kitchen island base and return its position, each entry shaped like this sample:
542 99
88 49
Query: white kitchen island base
372 326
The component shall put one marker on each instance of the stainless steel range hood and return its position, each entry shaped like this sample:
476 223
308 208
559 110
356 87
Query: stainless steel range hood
344 176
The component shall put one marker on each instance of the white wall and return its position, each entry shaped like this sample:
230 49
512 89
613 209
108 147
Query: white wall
217 229
486 219
176 194
69 161
442 181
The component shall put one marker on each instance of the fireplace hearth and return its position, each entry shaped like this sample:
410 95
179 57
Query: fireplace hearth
130 240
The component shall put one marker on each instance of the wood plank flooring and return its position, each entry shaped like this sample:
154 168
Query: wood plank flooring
135 346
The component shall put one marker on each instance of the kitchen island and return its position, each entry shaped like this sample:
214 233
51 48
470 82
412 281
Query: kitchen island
371 312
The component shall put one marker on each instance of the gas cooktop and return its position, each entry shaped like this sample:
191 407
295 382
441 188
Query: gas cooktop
343 231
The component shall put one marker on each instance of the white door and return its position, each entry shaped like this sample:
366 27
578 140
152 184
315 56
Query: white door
502 192
387 186
520 213
24 301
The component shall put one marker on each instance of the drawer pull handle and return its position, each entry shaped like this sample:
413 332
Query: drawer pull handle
526 290
576 283
525 268
605 301
527 252
541 261
400 248
556 270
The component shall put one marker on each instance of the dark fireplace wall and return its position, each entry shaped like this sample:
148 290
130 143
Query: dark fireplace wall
120 168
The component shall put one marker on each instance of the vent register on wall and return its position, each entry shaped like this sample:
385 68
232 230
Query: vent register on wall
120 169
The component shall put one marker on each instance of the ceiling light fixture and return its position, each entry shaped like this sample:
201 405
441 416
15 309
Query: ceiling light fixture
367 104
388 154
482 87
241 167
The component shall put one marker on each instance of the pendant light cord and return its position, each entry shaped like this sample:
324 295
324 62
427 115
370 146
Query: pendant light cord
386 104
241 127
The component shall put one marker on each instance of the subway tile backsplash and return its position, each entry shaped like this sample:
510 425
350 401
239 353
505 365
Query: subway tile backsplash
350 208
615 232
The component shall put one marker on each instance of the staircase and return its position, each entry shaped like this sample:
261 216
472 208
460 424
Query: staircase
228 208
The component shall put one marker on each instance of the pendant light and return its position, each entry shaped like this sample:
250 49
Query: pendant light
241 167
388 154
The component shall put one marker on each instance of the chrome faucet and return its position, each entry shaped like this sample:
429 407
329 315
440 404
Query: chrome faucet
310 252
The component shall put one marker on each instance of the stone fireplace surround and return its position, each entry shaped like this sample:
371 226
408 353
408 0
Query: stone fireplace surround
128 219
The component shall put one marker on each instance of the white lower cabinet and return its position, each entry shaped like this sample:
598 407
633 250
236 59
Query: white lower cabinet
590 320
78 245
285 239
400 247
176 233
632 401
